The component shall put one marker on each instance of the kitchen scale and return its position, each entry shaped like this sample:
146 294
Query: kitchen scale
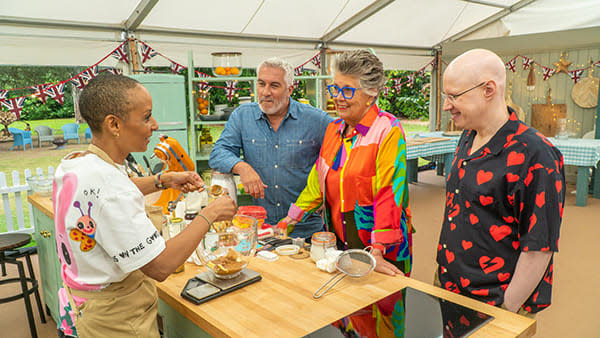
206 286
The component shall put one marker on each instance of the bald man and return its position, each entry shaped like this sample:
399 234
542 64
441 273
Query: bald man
504 197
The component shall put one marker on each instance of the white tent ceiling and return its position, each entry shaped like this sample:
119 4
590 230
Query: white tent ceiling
402 32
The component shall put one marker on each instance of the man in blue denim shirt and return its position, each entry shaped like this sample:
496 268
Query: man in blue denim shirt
280 139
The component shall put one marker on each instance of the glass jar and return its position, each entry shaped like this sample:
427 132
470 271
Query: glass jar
320 242
174 226
226 181
227 63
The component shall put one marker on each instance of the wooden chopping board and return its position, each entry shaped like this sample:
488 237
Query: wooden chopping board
544 116
585 91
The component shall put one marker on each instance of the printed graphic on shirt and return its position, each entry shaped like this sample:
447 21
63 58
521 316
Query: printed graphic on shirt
86 229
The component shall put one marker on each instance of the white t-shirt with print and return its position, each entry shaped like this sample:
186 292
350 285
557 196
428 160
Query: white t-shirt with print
105 222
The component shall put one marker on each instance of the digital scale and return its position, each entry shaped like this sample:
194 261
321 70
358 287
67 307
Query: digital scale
206 286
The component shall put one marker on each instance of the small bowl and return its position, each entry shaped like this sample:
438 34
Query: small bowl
288 249
41 184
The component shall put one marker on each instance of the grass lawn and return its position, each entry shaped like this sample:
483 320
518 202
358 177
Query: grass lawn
54 123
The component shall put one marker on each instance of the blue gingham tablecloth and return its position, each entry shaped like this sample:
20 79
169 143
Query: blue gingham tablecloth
430 149
578 151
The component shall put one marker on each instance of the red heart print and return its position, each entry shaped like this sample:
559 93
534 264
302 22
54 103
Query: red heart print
455 211
452 226
522 128
511 199
467 204
439 247
449 256
464 282
486 200
489 265
512 177
515 158
510 144
504 287
451 287
515 244
558 186
467 244
474 219
532 221
508 219
499 232
464 321
540 199
484 176
481 292
535 296
461 173
503 276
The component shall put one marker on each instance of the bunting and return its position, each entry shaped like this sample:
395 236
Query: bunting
512 64
120 53
147 52
230 88
316 60
547 72
90 73
14 105
176 68
57 92
203 86
115 71
78 81
386 91
575 75
3 93
397 85
526 62
39 91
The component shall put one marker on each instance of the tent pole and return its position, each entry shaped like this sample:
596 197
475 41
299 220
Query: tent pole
438 89
597 134
133 54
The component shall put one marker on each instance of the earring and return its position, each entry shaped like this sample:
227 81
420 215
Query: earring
368 103
116 134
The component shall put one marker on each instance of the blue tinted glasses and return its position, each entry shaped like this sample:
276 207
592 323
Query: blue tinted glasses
347 92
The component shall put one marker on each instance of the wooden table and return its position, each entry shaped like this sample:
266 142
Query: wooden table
281 304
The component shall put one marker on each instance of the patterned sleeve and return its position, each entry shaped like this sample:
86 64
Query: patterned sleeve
539 201
391 190
309 200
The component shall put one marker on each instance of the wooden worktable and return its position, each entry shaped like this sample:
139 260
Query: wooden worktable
281 304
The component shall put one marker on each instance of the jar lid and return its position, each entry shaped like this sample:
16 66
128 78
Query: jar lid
253 210
323 238
176 220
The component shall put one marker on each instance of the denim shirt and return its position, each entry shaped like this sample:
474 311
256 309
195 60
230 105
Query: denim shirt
282 158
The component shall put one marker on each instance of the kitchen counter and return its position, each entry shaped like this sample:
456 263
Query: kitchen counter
281 304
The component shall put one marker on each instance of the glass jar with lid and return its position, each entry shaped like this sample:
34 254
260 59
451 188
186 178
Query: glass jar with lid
227 63
320 242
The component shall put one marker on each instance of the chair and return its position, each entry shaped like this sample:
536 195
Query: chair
21 138
71 132
88 134
44 134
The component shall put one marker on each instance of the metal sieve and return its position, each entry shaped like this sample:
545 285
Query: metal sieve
353 263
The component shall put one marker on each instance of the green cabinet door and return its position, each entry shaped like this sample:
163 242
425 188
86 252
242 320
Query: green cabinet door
50 279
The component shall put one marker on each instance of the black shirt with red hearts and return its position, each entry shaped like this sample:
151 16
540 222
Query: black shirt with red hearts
503 199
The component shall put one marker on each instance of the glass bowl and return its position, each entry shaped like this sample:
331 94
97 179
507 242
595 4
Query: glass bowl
227 63
229 246
41 184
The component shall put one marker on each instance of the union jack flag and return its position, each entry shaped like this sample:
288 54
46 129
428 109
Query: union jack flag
527 62
397 84
39 91
385 90
78 81
316 60
3 93
115 71
576 74
597 64
147 52
547 72
14 105
230 88
120 53
411 80
56 92
176 68
511 64
203 86
90 73
298 71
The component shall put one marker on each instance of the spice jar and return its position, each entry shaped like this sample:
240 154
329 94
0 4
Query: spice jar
189 216
320 242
